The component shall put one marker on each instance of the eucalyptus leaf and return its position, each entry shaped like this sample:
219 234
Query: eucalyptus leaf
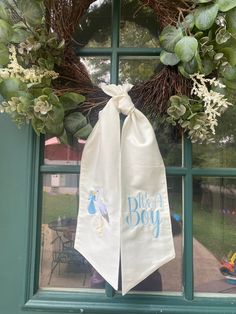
169 58
230 84
188 22
19 35
74 122
169 37
222 36
191 66
84 132
205 16
226 5
71 100
182 71
231 20
230 54
32 11
6 31
186 48
10 87
55 129
207 65
228 72
4 55
3 12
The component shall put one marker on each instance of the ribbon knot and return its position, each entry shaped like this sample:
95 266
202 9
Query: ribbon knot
119 94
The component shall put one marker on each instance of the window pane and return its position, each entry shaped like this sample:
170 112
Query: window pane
98 68
141 21
223 152
56 153
169 277
94 29
61 266
170 144
214 225
137 69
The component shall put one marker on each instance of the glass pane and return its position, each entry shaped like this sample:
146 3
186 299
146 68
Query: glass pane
214 243
223 152
56 153
94 29
61 266
169 277
137 69
170 144
141 21
98 68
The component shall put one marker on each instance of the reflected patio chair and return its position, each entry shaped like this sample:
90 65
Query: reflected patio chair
64 253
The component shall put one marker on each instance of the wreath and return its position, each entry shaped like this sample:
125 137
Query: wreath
44 82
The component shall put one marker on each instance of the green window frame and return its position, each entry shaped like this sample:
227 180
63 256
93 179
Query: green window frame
79 302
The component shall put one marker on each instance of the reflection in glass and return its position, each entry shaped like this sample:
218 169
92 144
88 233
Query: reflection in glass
137 69
56 153
223 152
170 144
94 29
98 68
169 277
214 225
61 266
138 20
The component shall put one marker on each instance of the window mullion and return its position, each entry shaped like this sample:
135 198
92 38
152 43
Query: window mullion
188 223
115 41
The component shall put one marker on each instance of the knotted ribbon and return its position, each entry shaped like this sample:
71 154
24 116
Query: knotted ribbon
123 209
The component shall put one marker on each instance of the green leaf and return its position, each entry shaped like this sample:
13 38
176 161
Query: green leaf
10 87
230 84
230 54
228 72
75 121
191 66
205 16
32 11
3 12
207 65
226 5
169 58
188 22
182 71
169 37
55 129
222 36
4 55
71 100
84 132
231 20
186 48
19 35
6 31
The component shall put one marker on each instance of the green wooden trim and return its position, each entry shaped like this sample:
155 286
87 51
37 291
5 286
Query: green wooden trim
72 302
59 169
214 172
176 171
188 222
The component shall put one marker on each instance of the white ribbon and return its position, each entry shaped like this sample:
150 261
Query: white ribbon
124 209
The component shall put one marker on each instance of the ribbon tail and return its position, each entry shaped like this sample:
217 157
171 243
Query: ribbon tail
98 228
146 232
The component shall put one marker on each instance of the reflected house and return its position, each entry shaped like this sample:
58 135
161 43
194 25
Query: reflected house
58 154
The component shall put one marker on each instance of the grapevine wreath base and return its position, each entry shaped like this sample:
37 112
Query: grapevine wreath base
190 90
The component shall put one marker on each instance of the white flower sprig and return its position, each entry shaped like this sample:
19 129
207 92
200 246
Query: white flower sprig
32 75
214 102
